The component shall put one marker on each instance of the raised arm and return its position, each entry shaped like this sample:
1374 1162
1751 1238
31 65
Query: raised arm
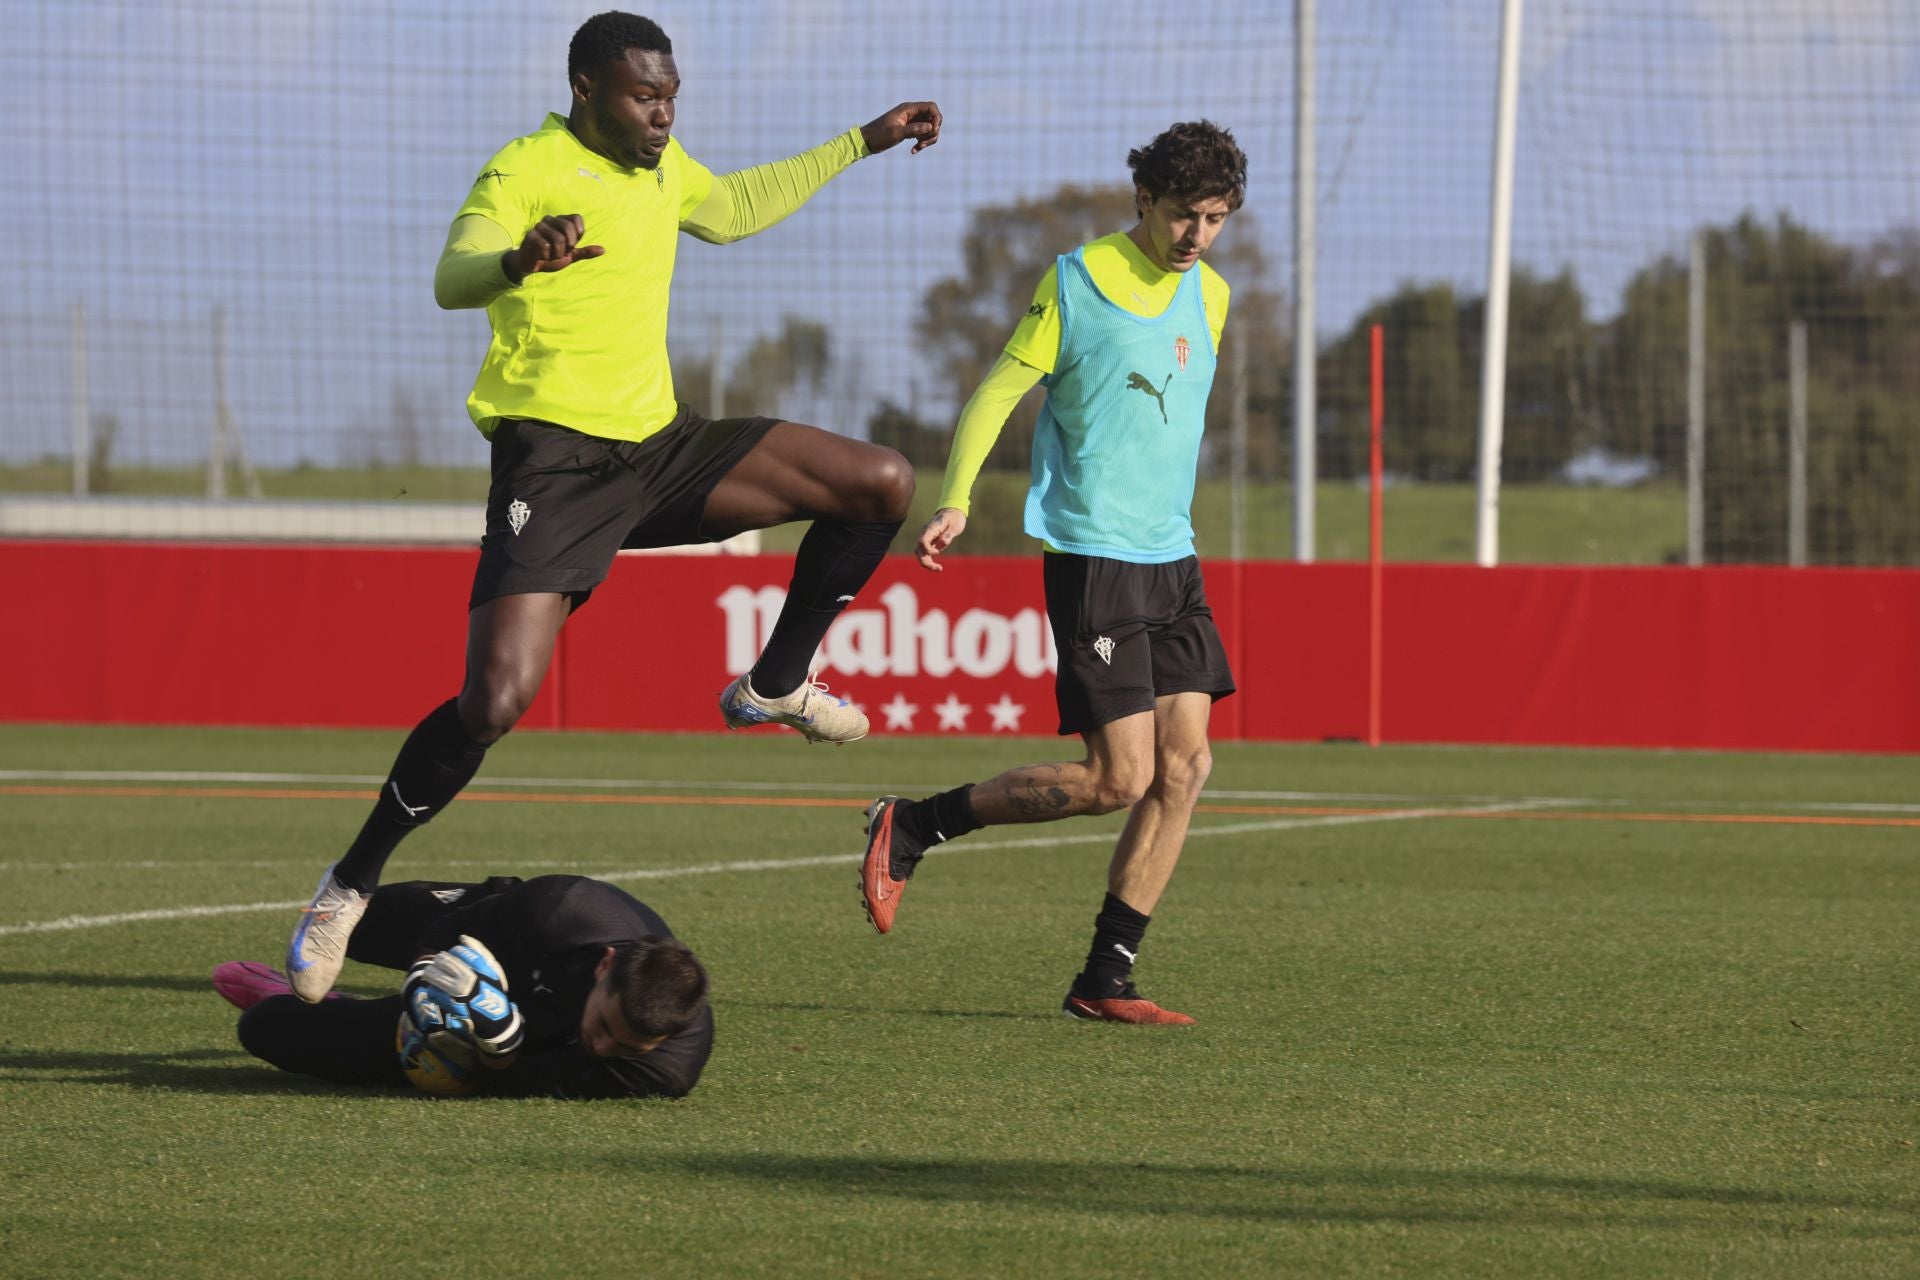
980 425
481 261
751 200
1030 355
469 273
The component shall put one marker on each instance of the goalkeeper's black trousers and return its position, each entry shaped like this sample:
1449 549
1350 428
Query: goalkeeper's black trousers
343 1040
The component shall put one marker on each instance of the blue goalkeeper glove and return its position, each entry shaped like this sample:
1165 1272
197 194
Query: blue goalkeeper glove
461 994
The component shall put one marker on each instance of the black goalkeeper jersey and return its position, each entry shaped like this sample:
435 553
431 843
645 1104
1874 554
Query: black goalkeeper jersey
548 933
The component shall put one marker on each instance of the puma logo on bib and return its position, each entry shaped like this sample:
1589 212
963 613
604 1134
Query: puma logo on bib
1138 382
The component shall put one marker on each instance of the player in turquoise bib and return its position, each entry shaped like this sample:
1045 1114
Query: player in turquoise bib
1124 333
1118 442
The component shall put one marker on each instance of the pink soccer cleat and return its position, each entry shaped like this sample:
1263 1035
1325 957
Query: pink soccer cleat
245 983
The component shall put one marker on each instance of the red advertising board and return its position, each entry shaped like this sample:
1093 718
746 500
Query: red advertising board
181 633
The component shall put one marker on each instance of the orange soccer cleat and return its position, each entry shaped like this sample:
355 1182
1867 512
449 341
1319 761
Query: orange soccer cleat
1124 1005
880 887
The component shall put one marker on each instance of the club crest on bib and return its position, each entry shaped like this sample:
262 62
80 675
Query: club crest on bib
1181 349
517 513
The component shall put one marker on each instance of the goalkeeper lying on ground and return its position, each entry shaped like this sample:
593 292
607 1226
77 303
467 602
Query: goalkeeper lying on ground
559 986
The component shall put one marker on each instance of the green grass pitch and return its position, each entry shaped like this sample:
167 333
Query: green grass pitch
1462 1012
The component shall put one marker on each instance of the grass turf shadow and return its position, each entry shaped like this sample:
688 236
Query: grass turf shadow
201 985
108 981
209 1071
1350 1194
902 1011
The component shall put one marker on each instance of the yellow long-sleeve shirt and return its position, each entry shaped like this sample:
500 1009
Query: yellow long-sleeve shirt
586 346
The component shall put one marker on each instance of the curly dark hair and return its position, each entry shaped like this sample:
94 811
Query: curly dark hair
1194 160
606 37
660 984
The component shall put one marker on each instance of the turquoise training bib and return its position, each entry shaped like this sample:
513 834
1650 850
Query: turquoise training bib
1118 443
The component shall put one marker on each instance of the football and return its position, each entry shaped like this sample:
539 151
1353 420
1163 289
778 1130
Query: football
444 1067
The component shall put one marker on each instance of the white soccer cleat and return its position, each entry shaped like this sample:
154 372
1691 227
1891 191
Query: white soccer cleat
817 714
319 945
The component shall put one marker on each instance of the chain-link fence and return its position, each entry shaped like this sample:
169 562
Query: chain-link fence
228 216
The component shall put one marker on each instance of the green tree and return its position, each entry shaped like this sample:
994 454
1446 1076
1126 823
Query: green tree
1431 361
922 443
797 356
1861 308
1549 343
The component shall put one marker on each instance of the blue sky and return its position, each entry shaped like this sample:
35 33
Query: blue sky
296 162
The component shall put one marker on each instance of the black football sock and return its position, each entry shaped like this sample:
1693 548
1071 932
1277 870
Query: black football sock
937 819
437 760
833 563
1117 933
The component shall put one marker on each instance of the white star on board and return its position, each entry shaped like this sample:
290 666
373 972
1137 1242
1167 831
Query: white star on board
953 713
899 712
1006 713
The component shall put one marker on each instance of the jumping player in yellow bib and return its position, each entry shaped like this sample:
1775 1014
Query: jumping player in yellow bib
1123 333
567 238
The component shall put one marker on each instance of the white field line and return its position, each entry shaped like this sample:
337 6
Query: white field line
67 924
207 776
1864 808
144 864
374 780
259 864
204 776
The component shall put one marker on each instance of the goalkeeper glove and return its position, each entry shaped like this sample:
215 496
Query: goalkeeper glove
467 988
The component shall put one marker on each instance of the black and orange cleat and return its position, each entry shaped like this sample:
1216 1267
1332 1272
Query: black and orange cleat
891 857
1124 1005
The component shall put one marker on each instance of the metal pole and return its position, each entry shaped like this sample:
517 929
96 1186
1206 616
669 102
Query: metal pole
1797 444
1697 400
1493 366
1376 545
1237 450
217 452
1306 465
82 406
716 375
229 430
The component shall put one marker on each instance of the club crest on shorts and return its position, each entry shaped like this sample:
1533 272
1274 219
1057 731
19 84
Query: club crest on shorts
517 513
1104 648
1181 349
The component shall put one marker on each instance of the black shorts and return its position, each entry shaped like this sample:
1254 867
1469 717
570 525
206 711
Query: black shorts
1127 634
563 502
